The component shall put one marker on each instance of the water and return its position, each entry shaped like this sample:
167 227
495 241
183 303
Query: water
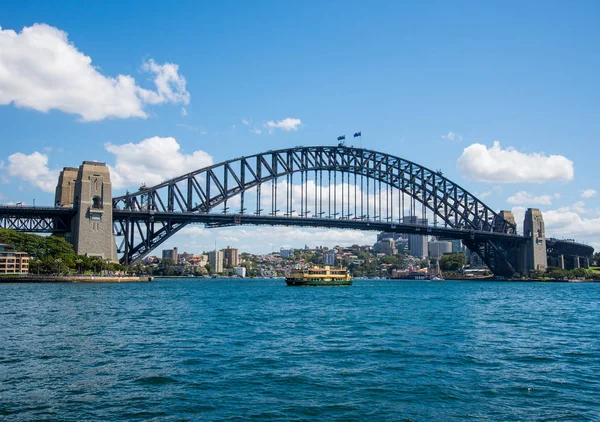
256 349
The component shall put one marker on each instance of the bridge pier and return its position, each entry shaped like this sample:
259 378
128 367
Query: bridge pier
533 255
88 190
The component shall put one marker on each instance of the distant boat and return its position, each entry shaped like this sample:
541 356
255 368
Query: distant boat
438 276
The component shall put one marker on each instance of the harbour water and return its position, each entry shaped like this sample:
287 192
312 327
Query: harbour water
255 349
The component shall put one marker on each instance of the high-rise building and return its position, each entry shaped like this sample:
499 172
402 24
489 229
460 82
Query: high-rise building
170 254
417 243
215 259
329 257
230 257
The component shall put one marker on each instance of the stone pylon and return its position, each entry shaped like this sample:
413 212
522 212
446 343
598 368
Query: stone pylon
534 256
88 190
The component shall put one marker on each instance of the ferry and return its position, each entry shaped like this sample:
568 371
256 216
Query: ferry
320 276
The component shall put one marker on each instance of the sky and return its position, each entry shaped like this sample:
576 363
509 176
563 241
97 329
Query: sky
504 97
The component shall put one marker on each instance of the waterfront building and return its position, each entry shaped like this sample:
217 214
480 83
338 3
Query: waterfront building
13 261
240 271
437 248
215 259
170 254
329 257
230 257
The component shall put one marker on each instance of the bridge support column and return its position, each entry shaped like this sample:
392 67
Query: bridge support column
90 193
557 261
533 255
584 262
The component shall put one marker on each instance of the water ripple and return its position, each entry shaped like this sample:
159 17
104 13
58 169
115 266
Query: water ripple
242 350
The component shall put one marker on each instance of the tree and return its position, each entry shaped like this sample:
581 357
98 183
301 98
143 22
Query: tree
453 262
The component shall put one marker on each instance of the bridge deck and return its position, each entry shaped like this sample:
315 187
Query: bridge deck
220 220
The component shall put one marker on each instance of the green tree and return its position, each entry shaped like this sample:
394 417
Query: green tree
453 262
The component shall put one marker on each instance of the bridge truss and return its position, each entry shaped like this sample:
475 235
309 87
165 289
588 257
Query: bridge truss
340 187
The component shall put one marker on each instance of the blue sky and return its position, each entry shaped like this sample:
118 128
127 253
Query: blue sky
428 81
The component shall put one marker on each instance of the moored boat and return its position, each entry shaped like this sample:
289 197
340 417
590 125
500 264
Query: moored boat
320 276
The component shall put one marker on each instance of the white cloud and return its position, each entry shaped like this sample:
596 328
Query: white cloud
526 198
183 112
41 69
451 136
33 168
588 193
170 85
488 193
287 124
251 127
566 222
495 164
152 161
192 128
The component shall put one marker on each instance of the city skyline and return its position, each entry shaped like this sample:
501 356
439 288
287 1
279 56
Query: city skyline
505 119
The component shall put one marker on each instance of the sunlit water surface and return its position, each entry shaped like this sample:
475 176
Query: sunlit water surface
256 349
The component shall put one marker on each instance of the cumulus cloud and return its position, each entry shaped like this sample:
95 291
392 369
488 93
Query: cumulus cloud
152 161
451 136
33 168
287 124
568 222
42 70
478 162
526 198
588 193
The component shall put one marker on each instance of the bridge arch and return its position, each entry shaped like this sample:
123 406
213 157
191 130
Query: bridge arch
204 190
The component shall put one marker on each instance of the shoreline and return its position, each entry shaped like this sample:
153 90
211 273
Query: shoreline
72 279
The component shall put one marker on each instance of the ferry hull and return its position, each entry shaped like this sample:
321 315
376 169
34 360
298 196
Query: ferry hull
304 282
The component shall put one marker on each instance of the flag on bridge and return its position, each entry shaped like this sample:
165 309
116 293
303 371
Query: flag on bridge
357 134
340 138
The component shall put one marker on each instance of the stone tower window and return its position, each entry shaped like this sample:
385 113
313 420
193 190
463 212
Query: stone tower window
96 202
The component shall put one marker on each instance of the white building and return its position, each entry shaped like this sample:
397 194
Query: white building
239 271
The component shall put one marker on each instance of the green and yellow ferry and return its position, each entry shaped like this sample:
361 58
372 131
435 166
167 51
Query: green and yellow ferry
320 276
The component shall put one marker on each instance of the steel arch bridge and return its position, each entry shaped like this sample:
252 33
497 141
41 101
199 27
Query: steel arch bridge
340 187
